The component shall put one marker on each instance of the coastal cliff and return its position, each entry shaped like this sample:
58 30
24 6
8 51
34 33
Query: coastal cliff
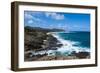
38 41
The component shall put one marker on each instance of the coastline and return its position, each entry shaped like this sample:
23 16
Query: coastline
38 45
51 58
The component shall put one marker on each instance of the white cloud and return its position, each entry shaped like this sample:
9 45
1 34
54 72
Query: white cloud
29 16
55 16
36 19
30 21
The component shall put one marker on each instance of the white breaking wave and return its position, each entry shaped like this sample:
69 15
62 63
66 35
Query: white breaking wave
68 46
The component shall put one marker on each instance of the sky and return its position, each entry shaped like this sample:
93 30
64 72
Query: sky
59 20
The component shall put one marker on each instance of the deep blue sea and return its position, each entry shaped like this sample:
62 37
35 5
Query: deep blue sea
77 41
83 38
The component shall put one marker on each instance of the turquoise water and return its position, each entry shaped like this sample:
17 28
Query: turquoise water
83 38
71 41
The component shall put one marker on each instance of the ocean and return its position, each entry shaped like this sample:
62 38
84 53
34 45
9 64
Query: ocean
83 38
78 41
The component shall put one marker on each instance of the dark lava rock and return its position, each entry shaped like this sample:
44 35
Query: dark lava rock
52 42
82 54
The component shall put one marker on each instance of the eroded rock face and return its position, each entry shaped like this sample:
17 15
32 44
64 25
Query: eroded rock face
34 41
37 41
82 54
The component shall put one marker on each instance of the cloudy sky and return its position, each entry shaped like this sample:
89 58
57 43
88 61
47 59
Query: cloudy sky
66 21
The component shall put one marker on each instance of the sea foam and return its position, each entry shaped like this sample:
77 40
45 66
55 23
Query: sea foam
68 46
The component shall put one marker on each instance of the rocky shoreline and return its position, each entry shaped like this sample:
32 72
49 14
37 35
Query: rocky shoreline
45 57
48 58
39 41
